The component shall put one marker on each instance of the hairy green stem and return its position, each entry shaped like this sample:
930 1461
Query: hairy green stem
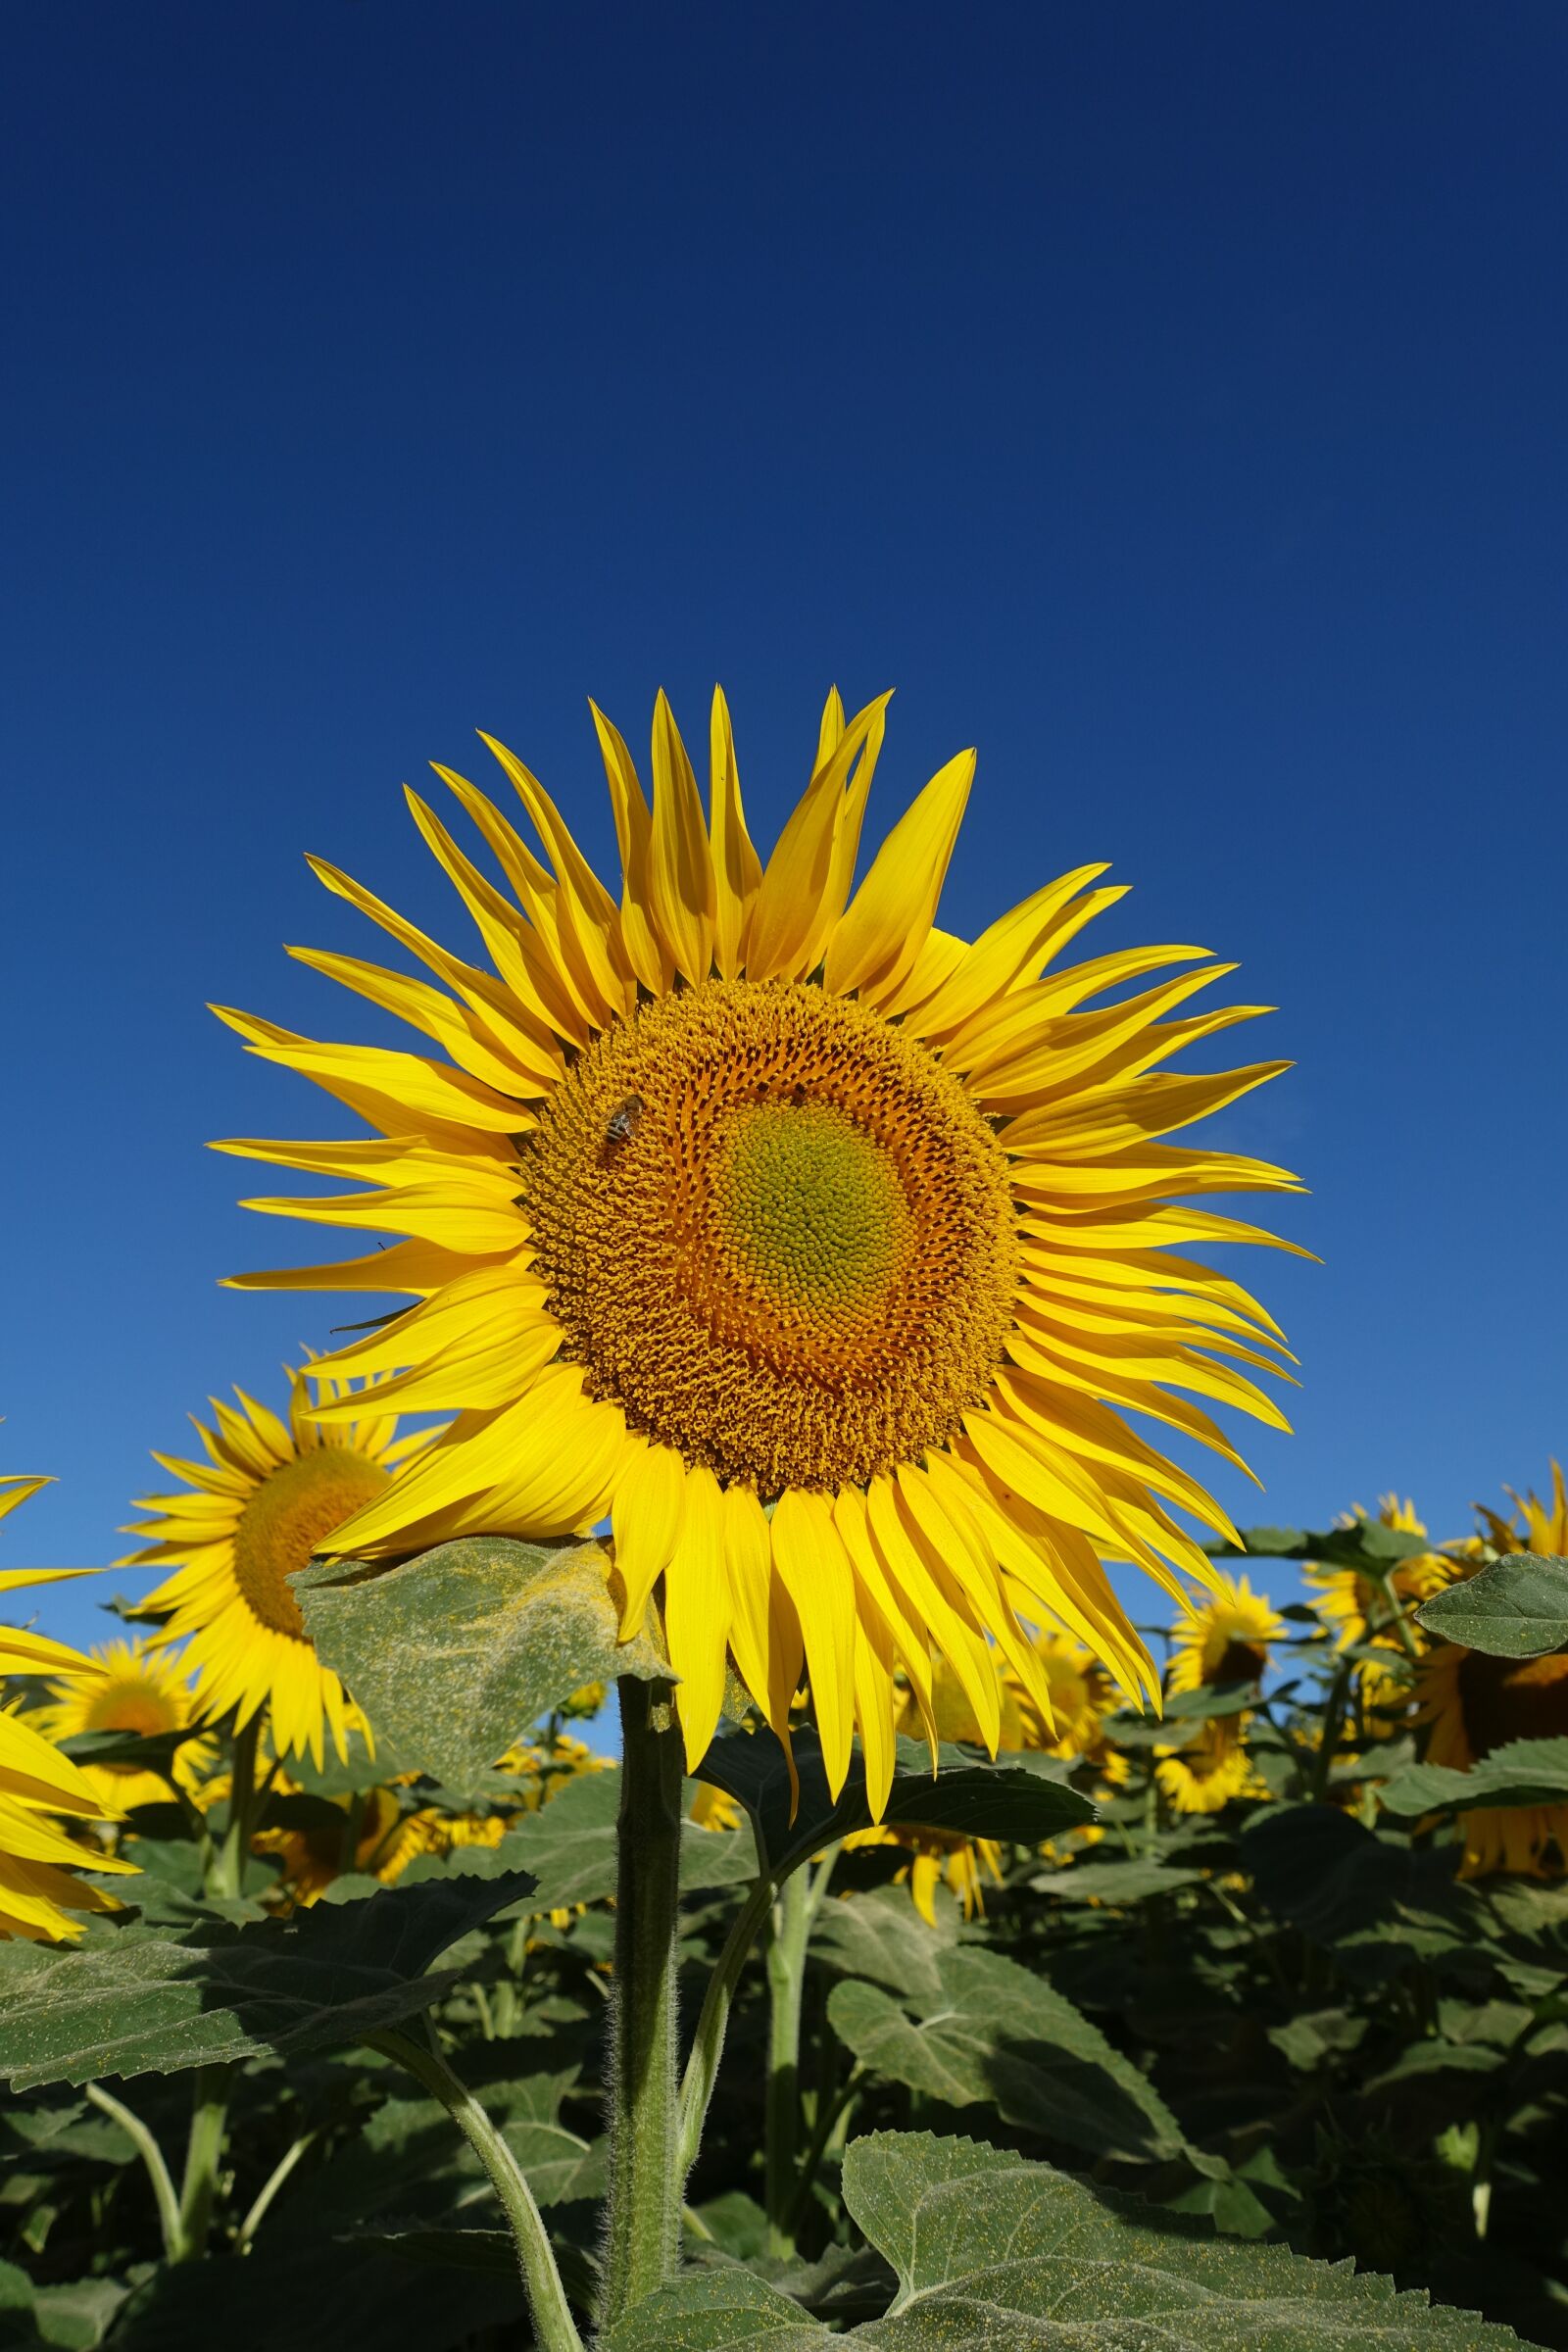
701 2066
646 2176
152 2156
554 2325
785 1986
268 2190
204 2155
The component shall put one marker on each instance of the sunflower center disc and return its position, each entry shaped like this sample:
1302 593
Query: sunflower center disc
286 1518
776 1232
1513 1699
125 1709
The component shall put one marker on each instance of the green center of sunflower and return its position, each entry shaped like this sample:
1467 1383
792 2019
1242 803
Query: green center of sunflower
808 1209
285 1520
776 1232
1513 1699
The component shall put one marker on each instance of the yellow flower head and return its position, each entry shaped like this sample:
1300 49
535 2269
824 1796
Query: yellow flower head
1473 1703
37 1891
1226 1638
1545 1524
1204 1776
134 1688
267 1497
1350 1606
939 1858
376 1838
819 1248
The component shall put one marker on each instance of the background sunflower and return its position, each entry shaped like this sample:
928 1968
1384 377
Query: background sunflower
268 1493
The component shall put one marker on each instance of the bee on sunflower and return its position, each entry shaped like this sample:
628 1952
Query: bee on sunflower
38 1891
268 1493
1227 1639
821 1250
1471 1703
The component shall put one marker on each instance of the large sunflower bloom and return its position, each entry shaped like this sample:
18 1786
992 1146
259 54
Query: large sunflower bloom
131 1687
266 1497
821 1249
1474 1704
37 1891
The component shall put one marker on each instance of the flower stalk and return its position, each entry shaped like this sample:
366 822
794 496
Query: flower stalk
645 2174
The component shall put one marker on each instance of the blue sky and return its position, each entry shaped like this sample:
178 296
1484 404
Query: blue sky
1166 398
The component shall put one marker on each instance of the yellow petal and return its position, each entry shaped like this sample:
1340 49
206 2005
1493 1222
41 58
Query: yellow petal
697 1611
682 888
876 942
737 868
811 1561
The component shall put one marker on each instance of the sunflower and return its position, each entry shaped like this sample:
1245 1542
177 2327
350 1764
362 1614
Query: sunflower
1351 1606
1473 1703
133 1688
37 1891
1226 1638
820 1250
376 1837
267 1494
1206 1775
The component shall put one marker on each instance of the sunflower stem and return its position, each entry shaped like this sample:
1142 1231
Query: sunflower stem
646 2175
227 1874
204 2154
793 1913
554 2328
152 2156
708 2044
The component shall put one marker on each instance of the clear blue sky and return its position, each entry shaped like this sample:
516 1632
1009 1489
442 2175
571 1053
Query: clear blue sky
1167 397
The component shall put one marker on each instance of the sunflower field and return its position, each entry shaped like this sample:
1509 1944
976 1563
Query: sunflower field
628 1805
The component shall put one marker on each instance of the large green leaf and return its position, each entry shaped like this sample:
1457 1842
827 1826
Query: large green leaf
993 2254
877 1935
1366 1544
1016 1802
1321 1869
1525 1771
140 2001
454 1653
995 2035
1515 1607
569 1847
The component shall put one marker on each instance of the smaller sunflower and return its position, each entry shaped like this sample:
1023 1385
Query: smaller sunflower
1473 1703
376 1837
940 1858
1204 1776
134 1688
38 1891
1354 1610
262 1502
1225 1639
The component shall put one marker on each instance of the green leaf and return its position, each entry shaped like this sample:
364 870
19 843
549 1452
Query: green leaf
143 1751
995 2254
996 2036
1366 1544
569 1847
1320 1869
1525 1771
139 2002
1113 1881
1515 1607
456 1653
969 1795
880 1936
